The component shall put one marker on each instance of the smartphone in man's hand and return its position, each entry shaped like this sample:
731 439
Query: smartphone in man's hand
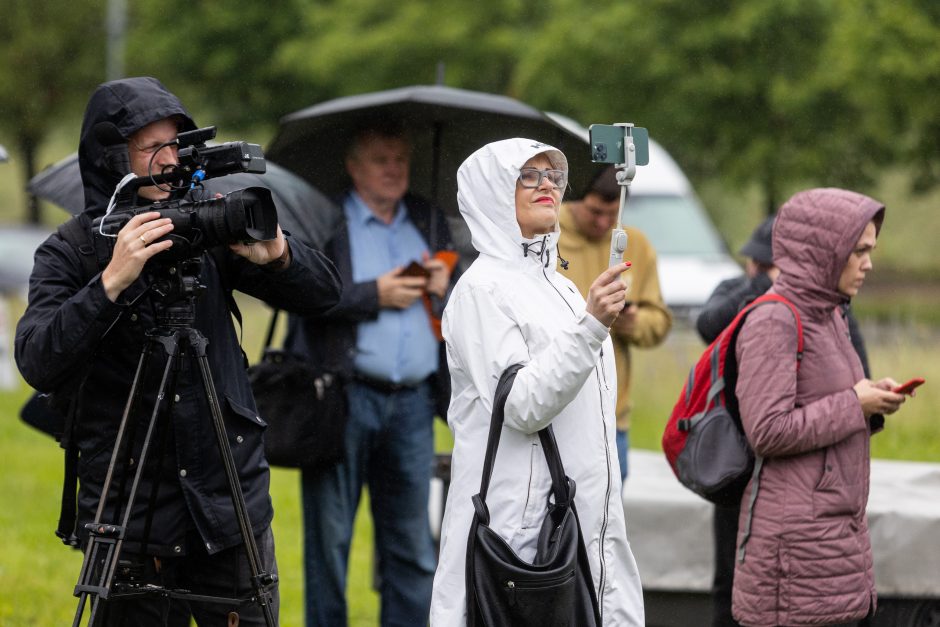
415 269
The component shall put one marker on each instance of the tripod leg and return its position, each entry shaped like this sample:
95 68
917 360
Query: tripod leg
260 580
105 540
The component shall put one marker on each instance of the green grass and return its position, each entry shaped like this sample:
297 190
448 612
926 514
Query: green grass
37 573
899 351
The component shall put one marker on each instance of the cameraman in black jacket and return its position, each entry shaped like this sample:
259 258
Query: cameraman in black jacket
81 338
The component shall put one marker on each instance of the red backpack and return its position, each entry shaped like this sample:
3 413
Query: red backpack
704 441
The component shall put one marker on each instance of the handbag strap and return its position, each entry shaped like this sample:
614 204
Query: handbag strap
562 487
269 337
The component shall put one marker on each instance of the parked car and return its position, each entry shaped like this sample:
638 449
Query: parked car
692 257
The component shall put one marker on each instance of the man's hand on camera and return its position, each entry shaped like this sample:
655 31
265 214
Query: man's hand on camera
399 292
274 253
135 245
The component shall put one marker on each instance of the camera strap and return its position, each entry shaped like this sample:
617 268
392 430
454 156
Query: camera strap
218 256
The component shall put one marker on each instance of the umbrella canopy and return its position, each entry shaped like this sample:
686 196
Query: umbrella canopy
301 209
445 125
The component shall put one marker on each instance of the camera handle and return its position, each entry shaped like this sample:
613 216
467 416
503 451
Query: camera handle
625 173
105 540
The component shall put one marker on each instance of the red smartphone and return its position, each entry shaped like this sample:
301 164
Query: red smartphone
415 269
907 388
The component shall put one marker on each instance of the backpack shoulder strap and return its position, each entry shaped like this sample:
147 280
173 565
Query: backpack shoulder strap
76 232
777 298
722 349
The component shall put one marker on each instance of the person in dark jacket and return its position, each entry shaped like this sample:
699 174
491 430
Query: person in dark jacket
381 340
81 338
723 305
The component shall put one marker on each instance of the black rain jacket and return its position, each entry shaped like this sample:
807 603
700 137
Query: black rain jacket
76 343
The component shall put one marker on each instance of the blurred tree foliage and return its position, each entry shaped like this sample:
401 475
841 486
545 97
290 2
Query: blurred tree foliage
768 92
47 68
224 59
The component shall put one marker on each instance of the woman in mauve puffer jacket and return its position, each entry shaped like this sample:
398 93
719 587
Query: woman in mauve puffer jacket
804 556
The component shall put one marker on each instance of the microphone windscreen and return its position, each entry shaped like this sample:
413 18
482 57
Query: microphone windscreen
107 134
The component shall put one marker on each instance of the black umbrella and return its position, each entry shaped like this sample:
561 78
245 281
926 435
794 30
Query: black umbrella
445 124
301 209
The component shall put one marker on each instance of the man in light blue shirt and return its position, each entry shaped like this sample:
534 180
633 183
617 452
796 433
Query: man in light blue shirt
381 340
399 346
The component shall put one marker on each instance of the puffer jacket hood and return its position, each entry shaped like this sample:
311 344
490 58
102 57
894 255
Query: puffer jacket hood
813 237
486 184
129 104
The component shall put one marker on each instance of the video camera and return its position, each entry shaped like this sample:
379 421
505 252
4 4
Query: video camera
245 215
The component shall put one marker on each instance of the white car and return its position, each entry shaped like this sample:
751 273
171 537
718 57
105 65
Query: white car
692 257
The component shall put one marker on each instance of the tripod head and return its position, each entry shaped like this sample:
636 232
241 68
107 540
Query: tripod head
176 286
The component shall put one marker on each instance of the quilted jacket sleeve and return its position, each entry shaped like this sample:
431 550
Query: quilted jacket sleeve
773 421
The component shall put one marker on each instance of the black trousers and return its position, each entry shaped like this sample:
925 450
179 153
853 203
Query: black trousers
224 574
725 528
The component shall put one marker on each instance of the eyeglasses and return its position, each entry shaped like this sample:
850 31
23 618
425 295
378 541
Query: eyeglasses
530 178
152 148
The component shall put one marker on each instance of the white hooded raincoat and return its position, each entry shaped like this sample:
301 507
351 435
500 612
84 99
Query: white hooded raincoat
511 306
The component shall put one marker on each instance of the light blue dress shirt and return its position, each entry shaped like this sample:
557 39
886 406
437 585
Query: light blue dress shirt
398 346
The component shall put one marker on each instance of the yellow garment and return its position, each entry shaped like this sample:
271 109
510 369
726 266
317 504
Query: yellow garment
587 259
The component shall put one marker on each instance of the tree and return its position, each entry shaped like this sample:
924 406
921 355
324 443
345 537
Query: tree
367 45
51 57
222 59
890 64
744 89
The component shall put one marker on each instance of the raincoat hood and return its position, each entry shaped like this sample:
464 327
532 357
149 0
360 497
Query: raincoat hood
129 104
814 234
486 196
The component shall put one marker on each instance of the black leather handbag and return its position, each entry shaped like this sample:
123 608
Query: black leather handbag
305 409
556 589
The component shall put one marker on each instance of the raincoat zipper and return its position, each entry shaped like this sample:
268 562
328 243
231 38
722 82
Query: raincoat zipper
603 574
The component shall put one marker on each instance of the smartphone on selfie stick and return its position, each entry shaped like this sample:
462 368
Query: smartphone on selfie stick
626 146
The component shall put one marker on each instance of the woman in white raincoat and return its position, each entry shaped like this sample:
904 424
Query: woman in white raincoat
511 306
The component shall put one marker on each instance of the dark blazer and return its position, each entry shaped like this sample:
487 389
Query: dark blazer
328 340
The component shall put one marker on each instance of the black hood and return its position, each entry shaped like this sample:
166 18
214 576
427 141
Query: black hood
130 104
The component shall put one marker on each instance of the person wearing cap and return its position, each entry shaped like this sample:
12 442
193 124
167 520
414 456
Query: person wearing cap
728 298
732 294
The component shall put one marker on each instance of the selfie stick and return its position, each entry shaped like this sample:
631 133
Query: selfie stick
625 173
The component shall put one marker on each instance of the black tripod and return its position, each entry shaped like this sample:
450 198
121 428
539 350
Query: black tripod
176 287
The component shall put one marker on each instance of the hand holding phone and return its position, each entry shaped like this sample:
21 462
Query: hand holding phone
908 387
415 269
